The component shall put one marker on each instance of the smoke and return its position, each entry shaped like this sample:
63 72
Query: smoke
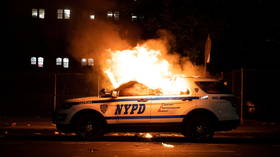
94 40
179 64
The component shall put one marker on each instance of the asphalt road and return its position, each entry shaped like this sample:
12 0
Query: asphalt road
30 138
46 145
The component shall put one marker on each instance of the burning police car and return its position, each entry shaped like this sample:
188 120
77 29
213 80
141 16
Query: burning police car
207 106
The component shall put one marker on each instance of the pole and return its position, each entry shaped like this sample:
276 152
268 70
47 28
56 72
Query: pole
241 95
54 95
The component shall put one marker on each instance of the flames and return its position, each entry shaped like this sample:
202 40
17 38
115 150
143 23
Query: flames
144 65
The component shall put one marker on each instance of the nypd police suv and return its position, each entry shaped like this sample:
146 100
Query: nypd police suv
206 107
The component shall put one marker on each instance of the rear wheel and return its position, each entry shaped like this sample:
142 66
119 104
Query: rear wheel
88 126
199 127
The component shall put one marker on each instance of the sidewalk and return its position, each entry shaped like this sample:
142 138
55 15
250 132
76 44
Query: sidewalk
254 129
29 123
250 128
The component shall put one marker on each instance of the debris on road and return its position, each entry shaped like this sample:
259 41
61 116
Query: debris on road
168 145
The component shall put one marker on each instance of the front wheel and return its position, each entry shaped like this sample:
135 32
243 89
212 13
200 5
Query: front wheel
87 126
199 127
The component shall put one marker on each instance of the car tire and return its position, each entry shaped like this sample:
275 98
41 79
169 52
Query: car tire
88 126
199 127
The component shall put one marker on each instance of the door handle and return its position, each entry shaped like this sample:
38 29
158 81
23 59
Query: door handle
142 100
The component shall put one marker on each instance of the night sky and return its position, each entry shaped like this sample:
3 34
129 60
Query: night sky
244 33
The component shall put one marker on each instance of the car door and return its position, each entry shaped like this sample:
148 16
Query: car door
132 110
170 109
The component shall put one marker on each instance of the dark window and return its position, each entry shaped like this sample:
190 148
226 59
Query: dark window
214 87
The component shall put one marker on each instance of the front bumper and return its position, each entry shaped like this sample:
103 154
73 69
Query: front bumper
59 119
227 125
66 128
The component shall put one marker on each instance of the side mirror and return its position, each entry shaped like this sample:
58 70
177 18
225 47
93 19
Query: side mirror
115 94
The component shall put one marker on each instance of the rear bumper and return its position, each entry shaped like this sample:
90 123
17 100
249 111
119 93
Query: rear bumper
227 125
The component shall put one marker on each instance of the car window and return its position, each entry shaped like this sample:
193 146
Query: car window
213 87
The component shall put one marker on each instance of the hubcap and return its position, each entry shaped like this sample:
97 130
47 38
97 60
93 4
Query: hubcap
89 127
201 129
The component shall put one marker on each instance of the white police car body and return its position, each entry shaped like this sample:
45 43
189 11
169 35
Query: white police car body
197 114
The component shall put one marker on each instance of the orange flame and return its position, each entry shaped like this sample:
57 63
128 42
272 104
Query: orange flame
146 66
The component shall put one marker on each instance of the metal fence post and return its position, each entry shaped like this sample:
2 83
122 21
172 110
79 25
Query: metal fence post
54 95
241 95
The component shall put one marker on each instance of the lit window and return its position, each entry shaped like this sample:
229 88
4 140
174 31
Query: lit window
34 13
33 60
92 17
59 13
63 13
90 62
58 61
87 62
113 15
133 17
40 62
38 13
65 62
41 13
116 15
66 13
109 14
84 61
